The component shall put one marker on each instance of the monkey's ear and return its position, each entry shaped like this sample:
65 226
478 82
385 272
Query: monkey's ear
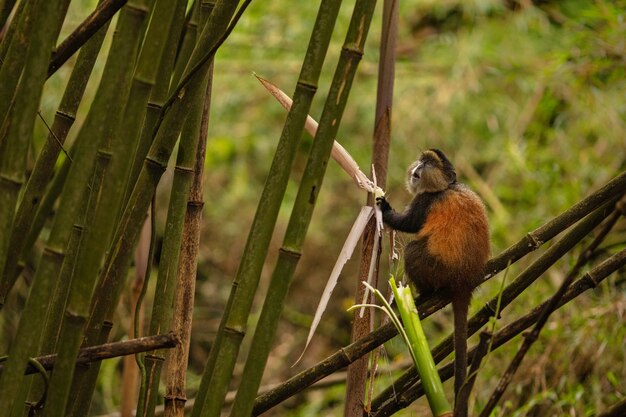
452 176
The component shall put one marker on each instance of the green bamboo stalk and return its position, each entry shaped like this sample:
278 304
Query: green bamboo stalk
13 58
168 265
300 218
44 166
118 259
420 352
263 224
98 236
154 105
10 30
175 395
96 127
189 41
20 125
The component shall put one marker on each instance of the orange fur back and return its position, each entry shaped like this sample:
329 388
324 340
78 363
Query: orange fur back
457 235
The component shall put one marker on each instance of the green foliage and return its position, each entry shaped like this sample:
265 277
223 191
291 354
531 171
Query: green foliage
531 97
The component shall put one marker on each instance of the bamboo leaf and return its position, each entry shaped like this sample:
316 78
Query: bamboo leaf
339 153
345 254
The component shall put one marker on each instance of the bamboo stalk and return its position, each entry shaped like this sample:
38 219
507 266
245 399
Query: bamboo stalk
119 149
13 60
99 125
189 41
20 124
301 215
524 246
7 29
175 395
158 95
362 323
173 236
263 224
18 113
44 166
124 240
6 6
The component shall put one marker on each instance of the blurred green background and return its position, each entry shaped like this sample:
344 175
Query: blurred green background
528 100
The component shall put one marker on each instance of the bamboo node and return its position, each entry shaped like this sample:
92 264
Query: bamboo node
65 115
307 86
591 279
184 170
353 51
534 241
290 252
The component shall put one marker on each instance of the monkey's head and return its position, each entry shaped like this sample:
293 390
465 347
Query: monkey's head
431 173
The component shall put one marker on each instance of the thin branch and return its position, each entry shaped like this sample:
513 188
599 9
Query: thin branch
112 350
83 33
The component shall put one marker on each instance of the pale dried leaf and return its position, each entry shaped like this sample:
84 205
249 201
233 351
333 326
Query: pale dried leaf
346 252
339 153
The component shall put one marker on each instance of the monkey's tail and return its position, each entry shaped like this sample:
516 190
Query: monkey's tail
460 307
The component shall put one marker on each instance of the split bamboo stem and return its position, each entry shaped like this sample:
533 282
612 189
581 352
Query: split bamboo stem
301 215
589 280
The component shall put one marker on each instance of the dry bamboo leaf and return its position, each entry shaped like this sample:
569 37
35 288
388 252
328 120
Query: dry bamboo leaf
339 153
345 254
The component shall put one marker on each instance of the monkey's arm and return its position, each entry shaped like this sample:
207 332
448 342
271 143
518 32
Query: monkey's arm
409 221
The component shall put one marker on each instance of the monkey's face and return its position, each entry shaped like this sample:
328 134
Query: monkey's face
431 173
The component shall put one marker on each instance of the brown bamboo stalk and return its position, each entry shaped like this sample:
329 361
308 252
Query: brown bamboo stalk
176 396
357 371
111 350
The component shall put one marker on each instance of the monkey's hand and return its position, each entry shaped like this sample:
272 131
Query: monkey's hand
383 203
